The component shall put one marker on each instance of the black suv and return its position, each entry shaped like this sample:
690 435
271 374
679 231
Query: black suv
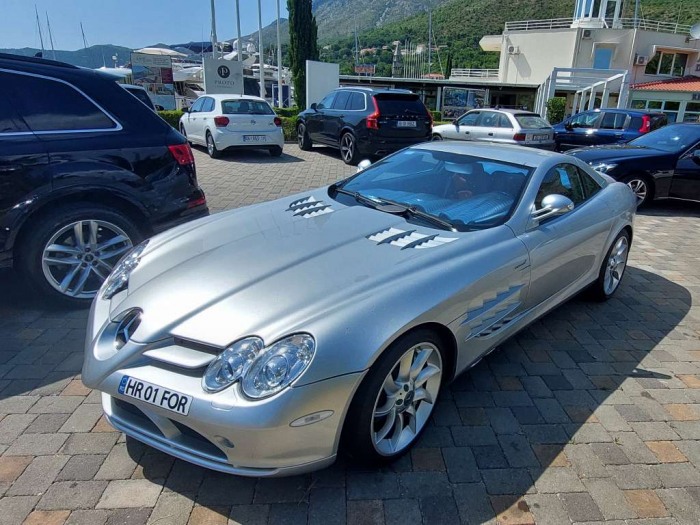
86 172
365 122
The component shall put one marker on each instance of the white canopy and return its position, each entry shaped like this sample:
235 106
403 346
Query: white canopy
160 51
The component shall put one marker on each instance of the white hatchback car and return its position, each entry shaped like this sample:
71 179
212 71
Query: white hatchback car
233 121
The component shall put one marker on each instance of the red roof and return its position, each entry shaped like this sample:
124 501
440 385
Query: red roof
689 84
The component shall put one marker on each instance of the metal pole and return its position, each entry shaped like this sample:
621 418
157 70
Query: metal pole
38 25
279 59
214 52
48 26
260 51
238 31
636 14
430 40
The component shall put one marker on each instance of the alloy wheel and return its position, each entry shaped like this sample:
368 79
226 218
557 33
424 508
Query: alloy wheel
80 256
210 145
347 148
616 265
639 187
301 131
407 399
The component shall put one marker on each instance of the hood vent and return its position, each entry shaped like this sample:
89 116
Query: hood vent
309 207
409 239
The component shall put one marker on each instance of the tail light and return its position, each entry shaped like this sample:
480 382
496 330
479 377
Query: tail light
182 153
646 124
197 199
221 122
519 136
430 115
278 122
373 119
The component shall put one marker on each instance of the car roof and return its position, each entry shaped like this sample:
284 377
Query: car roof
376 91
133 86
220 97
509 110
625 111
531 157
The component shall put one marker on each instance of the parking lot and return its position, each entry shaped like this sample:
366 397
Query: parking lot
590 415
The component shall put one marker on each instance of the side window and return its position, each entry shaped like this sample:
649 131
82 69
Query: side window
613 121
590 186
489 119
504 122
327 102
584 120
357 101
469 119
10 121
340 100
197 106
563 179
207 105
50 105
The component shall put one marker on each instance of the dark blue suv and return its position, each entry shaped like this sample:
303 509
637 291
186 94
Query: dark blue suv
605 126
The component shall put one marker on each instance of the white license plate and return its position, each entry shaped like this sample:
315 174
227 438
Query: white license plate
540 137
406 124
254 138
155 395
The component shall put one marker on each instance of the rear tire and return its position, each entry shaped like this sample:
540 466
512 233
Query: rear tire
348 149
211 147
303 138
643 188
612 268
51 256
393 405
275 151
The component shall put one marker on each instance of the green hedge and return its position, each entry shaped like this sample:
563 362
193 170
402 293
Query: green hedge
289 126
287 112
437 116
172 117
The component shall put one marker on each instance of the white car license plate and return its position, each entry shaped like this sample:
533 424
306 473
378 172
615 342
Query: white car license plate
543 136
254 138
406 124
155 395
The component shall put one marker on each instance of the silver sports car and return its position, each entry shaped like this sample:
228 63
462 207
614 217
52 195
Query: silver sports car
262 341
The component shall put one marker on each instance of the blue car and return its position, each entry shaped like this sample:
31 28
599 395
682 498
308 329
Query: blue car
605 126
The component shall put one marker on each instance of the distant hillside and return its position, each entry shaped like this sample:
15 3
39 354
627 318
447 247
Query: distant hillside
92 57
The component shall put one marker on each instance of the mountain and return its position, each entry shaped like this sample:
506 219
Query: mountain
92 57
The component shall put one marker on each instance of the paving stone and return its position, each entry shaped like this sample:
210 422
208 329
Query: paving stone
646 503
555 480
634 448
222 489
184 477
611 419
328 505
38 476
83 419
427 459
460 464
47 423
36 444
502 420
527 415
153 464
418 485
14 510
400 512
547 509
56 405
473 503
11 467
17 404
681 505
507 481
678 475
12 426
90 443
517 450
120 463
47 517
550 456
588 433
439 509
72 495
512 399
511 510
281 490
128 516
634 476
473 436
686 429
666 451
211 515
610 499
491 456
372 485
132 493
551 411
545 434
81 468
87 517
259 514
610 453
679 412
581 507
171 508
367 512
654 431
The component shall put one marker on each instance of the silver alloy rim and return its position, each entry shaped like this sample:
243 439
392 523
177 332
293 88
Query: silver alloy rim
407 399
347 147
210 145
639 187
79 257
300 132
437 137
616 265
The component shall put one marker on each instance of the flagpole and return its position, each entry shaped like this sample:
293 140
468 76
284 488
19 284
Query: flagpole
214 52
260 51
279 60
238 32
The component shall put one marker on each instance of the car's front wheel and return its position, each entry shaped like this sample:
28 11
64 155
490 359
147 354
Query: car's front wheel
612 269
214 153
183 131
642 188
71 251
393 405
436 136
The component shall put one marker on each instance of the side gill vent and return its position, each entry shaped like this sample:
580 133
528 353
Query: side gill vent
309 207
409 239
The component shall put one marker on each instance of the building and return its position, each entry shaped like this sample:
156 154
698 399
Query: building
679 98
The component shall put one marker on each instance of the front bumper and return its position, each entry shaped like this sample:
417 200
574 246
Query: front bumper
223 431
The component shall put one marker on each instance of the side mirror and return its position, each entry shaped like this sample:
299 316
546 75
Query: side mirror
552 206
568 126
456 123
363 165
185 110
696 156
313 106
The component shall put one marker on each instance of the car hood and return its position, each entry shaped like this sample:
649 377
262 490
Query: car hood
264 269
619 152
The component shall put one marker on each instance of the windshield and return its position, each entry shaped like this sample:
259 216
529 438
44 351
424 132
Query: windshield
245 107
468 192
672 139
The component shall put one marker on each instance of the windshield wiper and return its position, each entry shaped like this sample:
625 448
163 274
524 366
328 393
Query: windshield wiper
372 203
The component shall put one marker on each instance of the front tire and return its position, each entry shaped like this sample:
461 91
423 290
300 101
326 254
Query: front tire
393 405
303 138
612 269
436 136
211 147
71 251
348 149
642 188
183 131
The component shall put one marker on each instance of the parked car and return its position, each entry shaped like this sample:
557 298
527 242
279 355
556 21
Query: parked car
329 320
503 126
605 126
141 94
86 172
662 164
222 122
364 122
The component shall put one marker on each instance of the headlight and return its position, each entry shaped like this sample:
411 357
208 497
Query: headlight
603 167
278 366
119 278
230 365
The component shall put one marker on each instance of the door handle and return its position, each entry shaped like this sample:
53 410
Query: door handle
490 134
466 133
7 168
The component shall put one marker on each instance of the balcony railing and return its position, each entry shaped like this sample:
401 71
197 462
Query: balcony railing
621 23
474 73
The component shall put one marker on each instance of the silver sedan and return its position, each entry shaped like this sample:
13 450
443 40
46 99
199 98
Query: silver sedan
265 340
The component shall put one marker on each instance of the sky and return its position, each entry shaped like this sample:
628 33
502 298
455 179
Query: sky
129 23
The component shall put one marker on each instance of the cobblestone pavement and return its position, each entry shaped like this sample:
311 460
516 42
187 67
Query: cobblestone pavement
590 415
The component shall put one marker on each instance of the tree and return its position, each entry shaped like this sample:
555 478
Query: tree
303 45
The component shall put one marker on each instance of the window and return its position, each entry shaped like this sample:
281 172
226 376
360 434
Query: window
399 104
669 107
533 121
469 119
357 101
245 107
207 105
584 120
10 122
327 102
566 180
692 112
341 98
672 64
504 122
602 57
142 96
197 106
489 119
613 121
50 105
